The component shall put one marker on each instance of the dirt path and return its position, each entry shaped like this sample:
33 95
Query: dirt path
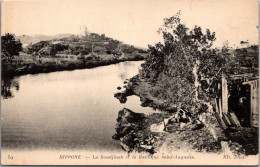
189 141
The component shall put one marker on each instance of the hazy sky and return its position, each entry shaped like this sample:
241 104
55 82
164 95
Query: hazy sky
132 21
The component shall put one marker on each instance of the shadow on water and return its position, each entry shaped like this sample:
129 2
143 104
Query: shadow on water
9 85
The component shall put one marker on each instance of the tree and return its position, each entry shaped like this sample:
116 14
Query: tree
185 59
103 36
10 46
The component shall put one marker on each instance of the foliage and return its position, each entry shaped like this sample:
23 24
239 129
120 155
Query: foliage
183 61
37 47
76 50
10 46
129 50
112 46
60 47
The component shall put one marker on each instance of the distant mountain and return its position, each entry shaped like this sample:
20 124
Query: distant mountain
27 39
142 48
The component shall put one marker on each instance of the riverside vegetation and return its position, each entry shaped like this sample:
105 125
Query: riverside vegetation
65 53
178 78
180 75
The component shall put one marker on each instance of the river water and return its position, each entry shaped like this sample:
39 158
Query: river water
66 110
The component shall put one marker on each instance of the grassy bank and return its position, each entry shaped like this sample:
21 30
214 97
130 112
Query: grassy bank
144 89
28 64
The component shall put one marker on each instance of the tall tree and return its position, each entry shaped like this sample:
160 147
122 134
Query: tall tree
184 59
10 46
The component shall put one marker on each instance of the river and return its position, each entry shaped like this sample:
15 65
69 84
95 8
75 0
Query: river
67 110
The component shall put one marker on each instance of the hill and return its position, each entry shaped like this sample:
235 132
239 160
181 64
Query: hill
69 53
27 39
83 45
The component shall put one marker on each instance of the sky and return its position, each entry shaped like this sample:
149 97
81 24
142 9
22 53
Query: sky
131 21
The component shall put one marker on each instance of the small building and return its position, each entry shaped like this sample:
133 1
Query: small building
238 102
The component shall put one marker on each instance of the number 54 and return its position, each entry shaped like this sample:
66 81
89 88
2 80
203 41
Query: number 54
10 157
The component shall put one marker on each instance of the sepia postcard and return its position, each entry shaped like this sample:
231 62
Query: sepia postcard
129 82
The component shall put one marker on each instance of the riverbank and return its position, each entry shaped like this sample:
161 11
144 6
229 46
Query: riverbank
142 89
209 137
138 132
27 64
182 136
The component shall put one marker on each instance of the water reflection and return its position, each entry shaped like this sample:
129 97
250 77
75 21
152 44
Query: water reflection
9 85
66 109
123 76
122 67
